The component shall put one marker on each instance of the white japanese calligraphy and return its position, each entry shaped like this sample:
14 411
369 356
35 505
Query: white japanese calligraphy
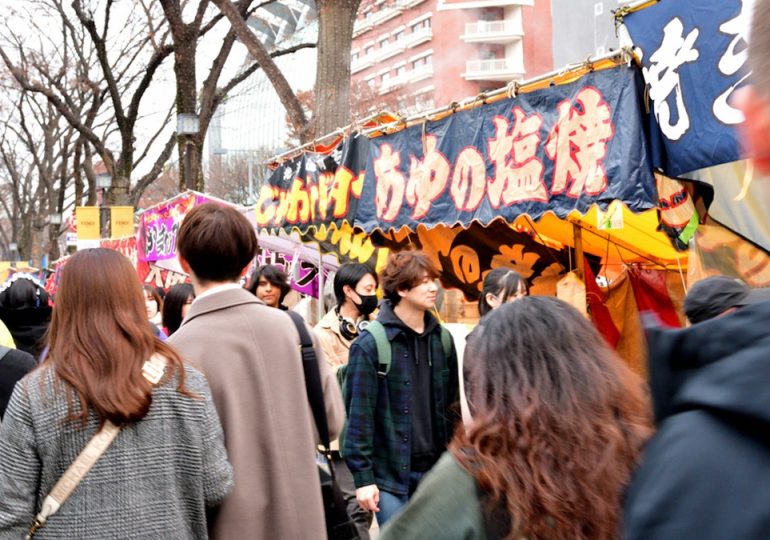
731 62
675 50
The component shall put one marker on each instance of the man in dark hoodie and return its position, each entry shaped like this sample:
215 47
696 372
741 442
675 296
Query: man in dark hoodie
400 423
705 471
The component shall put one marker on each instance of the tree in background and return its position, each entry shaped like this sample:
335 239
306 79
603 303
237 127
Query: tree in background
332 87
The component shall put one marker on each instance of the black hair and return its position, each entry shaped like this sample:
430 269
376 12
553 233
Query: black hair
24 294
176 298
503 283
274 275
350 274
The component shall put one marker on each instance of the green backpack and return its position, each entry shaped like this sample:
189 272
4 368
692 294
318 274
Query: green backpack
384 357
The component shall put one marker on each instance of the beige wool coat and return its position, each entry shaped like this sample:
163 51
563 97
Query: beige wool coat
250 355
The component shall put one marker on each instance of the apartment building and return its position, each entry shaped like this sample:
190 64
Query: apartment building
417 54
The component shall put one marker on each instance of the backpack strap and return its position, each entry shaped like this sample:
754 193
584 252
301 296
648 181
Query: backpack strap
446 341
377 330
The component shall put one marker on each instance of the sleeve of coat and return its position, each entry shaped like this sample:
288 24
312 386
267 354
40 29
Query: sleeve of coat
217 471
326 342
335 409
19 467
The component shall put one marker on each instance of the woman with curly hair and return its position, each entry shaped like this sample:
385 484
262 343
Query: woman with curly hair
558 424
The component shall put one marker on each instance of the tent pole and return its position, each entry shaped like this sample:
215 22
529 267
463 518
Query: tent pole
320 305
579 257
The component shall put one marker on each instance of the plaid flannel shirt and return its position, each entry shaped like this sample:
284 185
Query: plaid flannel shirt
377 446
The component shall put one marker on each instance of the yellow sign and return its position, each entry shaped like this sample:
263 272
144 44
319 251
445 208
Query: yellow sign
122 221
87 219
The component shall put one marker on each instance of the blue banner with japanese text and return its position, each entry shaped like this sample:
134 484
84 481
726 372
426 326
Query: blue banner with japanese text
693 60
314 190
559 149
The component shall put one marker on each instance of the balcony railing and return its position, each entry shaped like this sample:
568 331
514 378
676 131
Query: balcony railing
493 31
499 69
417 74
420 36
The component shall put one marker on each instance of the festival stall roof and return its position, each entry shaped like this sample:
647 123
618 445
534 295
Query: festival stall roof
544 159
564 164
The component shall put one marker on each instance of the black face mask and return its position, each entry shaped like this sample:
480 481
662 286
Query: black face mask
368 304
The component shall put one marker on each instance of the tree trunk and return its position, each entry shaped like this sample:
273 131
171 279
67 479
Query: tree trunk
332 87
189 147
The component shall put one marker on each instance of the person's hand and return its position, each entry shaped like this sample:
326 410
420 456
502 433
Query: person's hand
368 498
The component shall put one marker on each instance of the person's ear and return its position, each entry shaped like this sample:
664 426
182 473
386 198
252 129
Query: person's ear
755 129
184 264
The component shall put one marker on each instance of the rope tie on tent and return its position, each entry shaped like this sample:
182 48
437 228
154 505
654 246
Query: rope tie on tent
424 137
482 97
513 89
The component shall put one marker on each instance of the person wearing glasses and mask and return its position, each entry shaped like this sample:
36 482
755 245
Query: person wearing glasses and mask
355 287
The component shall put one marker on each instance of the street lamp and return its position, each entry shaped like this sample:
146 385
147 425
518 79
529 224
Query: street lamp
103 182
54 218
187 126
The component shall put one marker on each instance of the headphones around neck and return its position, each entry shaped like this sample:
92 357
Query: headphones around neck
348 329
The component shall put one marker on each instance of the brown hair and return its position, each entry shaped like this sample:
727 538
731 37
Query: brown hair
152 292
100 338
558 422
217 241
404 271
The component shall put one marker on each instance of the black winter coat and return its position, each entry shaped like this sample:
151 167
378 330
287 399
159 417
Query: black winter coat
705 474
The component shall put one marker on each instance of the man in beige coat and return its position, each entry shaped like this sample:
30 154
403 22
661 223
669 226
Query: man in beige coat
249 353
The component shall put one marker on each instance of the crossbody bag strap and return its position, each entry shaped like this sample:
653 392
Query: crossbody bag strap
313 386
152 370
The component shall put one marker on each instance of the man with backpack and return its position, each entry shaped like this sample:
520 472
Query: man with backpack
401 388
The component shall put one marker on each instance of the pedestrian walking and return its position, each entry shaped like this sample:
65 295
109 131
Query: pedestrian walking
166 466
401 414
250 354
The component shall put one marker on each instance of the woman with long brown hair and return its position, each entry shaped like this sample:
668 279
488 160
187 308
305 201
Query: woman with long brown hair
167 463
558 423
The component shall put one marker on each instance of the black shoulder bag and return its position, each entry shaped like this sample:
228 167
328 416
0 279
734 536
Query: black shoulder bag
339 526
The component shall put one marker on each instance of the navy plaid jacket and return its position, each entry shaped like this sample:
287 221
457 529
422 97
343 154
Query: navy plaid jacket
377 445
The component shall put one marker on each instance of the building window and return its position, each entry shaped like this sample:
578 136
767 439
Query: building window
383 42
369 50
354 57
399 35
422 61
417 27
400 70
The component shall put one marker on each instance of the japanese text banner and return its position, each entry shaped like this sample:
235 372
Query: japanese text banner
558 149
693 61
158 226
314 190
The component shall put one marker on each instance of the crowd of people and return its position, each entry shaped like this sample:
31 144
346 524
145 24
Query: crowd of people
189 415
